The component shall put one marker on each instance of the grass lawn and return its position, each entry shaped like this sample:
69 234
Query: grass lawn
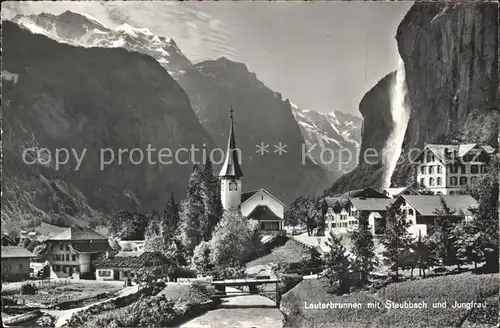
290 252
460 288
55 292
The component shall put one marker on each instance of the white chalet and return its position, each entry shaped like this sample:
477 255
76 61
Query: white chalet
449 169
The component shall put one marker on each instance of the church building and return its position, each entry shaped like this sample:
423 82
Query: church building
258 204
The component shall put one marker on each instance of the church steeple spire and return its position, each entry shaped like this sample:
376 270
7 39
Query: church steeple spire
231 167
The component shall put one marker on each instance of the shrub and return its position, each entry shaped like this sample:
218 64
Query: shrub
28 289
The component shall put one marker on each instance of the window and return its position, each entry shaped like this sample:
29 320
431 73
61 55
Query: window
462 168
438 181
429 158
61 247
474 169
484 169
453 169
439 169
422 169
67 257
125 273
334 225
104 273
422 181
453 181
431 181
463 181
20 266
431 169
73 257
410 211
67 247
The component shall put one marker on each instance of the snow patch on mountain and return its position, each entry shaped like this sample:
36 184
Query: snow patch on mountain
336 133
83 30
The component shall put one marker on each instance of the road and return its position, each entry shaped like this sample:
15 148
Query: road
240 312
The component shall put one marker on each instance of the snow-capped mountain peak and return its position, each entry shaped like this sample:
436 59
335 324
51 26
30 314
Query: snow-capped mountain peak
85 31
335 130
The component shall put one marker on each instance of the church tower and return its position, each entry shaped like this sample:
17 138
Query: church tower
230 174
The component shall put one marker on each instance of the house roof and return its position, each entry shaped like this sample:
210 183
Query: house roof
78 233
126 259
367 192
446 152
395 192
7 241
331 201
371 204
15 252
263 213
91 246
427 205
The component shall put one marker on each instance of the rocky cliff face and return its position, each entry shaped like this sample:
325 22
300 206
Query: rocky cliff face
451 59
60 96
450 53
261 116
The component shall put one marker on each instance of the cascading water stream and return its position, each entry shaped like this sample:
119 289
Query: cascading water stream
400 112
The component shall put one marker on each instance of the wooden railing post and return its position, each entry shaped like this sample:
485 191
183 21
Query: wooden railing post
278 296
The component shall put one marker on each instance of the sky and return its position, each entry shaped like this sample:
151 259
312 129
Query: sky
322 56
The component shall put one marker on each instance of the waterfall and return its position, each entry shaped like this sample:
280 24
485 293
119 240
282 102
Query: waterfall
400 112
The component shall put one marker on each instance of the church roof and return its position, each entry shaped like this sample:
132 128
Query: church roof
263 213
231 166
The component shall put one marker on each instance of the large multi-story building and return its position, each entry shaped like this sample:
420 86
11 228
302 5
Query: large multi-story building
72 251
449 169
343 212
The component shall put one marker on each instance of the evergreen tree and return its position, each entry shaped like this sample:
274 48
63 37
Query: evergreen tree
364 248
171 216
396 238
192 212
423 255
467 242
212 202
442 236
337 265
486 191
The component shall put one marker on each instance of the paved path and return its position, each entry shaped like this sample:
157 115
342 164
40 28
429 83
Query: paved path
62 316
240 312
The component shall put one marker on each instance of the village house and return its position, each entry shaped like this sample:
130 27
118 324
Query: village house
343 216
449 169
15 263
422 210
71 252
124 265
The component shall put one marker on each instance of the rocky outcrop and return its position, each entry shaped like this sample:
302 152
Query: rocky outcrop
377 125
91 98
451 60
450 53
